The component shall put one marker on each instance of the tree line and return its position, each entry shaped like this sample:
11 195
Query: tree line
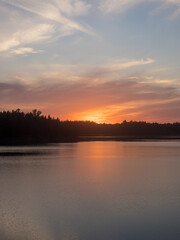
31 127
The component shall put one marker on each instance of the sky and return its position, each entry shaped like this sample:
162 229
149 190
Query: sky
98 60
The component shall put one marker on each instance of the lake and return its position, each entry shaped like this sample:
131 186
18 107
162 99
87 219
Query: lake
91 191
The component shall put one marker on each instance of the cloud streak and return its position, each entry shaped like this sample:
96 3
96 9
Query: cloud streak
119 65
116 6
50 21
32 35
24 51
54 10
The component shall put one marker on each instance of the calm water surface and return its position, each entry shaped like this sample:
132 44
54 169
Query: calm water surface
90 191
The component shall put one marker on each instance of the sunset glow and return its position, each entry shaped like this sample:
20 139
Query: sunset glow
102 61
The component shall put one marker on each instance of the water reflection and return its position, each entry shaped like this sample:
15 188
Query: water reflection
94 190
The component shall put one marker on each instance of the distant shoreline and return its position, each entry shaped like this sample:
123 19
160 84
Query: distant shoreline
29 142
32 128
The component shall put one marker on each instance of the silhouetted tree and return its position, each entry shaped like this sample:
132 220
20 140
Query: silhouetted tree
19 127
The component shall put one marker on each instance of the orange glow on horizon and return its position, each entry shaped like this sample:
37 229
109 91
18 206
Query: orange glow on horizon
111 114
93 116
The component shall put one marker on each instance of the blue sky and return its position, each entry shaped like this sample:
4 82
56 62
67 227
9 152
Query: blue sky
103 60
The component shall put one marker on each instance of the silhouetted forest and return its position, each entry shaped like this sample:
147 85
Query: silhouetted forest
17 127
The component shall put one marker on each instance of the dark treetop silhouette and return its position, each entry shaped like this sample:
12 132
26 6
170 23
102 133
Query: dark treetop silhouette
17 127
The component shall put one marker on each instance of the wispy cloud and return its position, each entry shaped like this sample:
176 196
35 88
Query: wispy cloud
105 71
119 64
32 35
55 11
46 20
24 51
73 7
110 6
